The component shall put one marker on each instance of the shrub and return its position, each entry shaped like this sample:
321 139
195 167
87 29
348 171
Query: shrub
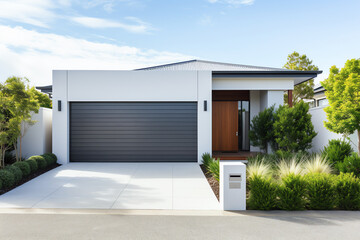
214 169
258 169
16 171
49 160
206 159
7 179
271 159
293 129
41 162
292 167
51 155
291 192
33 165
337 150
24 167
317 164
262 194
348 190
0 184
261 129
351 164
321 191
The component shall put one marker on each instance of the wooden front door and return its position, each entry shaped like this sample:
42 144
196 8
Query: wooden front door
225 126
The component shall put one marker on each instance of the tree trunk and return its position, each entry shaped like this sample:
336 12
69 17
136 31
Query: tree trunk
20 138
358 141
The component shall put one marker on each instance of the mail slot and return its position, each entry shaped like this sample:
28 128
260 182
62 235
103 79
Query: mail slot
234 181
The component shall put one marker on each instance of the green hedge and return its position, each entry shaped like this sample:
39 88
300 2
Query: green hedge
7 178
321 192
40 160
24 167
317 191
16 171
347 187
33 165
262 193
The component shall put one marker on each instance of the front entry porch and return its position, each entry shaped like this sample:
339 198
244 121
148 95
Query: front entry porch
231 124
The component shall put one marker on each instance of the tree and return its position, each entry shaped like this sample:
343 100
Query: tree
42 98
23 103
343 92
293 128
305 90
261 129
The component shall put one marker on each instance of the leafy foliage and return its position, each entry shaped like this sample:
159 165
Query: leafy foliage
291 192
295 61
206 159
317 164
351 164
261 129
342 91
24 167
262 193
293 128
348 191
7 178
16 91
337 150
40 160
42 98
214 169
321 191
33 165
16 172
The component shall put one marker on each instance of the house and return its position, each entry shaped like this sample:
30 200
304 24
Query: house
319 99
167 113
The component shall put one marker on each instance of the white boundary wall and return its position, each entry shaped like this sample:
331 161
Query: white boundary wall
323 134
38 138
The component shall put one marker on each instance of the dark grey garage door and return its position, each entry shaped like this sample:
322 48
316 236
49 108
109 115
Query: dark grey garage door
133 132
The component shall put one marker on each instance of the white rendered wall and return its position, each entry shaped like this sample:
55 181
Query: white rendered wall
252 84
37 139
134 86
204 117
60 124
323 134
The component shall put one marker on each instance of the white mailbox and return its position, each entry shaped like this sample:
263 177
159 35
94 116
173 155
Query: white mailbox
232 185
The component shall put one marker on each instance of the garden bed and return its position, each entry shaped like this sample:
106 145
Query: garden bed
212 181
29 177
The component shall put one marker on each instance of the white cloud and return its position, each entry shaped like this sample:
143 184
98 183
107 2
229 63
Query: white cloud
233 2
35 12
34 55
138 27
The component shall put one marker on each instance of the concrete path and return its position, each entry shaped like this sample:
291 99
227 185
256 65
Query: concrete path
116 186
153 225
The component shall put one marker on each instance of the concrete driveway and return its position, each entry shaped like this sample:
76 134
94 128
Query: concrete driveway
116 186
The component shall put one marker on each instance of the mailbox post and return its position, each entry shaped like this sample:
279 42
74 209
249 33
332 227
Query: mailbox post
232 185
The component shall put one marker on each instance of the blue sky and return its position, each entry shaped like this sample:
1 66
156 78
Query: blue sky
40 35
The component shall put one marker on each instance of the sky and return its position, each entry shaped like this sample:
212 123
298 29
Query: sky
38 36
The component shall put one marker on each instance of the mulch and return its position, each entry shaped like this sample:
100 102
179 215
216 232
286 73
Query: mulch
31 176
212 181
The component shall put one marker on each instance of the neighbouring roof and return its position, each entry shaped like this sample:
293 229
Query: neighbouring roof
211 66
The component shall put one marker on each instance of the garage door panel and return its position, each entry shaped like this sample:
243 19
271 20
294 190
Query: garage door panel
140 132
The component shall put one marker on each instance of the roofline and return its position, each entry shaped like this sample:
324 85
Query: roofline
164 65
213 62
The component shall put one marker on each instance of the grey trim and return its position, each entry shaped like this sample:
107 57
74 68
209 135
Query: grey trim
133 132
